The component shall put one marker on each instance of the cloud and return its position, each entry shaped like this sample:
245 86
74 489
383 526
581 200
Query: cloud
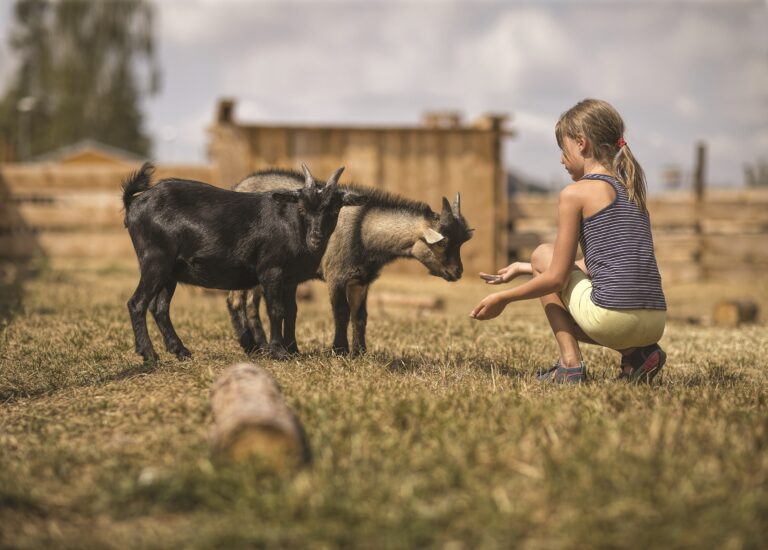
678 72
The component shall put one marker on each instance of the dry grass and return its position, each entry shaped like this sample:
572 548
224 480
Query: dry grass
438 437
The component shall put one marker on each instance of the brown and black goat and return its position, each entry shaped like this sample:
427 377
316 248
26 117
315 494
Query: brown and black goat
366 239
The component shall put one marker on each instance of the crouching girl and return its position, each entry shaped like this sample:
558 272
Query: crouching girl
613 297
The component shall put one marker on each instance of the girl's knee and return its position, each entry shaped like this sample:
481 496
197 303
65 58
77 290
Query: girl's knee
542 257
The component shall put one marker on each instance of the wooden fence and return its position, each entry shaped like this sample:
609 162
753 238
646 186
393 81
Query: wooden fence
59 210
723 237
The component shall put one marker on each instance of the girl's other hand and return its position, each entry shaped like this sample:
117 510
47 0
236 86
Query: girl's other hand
504 275
489 307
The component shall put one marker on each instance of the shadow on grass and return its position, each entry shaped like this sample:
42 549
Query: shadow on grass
18 249
714 375
13 276
11 394
416 363
130 372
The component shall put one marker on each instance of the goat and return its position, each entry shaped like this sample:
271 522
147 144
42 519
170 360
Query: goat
190 232
366 239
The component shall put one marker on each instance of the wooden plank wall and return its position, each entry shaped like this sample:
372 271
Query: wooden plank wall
420 163
74 211
733 244
59 210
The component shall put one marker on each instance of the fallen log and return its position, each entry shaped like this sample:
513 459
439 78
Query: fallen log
303 291
732 313
251 420
406 300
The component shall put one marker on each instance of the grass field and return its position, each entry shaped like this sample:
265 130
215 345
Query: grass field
438 437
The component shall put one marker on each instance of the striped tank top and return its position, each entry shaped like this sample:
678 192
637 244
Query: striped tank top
618 251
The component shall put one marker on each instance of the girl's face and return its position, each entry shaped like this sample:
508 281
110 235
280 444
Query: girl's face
572 157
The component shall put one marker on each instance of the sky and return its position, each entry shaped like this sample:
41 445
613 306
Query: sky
677 71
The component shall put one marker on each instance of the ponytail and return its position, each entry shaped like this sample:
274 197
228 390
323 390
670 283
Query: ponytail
629 172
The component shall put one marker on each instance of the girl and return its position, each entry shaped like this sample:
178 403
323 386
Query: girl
612 297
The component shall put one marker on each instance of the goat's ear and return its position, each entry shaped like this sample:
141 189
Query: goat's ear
353 199
285 196
432 236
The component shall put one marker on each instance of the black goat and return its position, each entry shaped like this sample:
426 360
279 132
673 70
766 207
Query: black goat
367 238
191 232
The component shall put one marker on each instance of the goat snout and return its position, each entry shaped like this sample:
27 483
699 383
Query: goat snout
452 275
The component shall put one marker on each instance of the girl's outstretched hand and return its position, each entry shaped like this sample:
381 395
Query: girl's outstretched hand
505 274
489 307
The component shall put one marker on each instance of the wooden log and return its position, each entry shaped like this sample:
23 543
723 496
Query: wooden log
251 420
303 291
407 300
732 313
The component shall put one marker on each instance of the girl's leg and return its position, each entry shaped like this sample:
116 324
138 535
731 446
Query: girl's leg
566 332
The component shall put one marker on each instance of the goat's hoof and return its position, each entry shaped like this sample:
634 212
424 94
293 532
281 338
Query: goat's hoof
293 349
183 354
279 353
150 357
339 350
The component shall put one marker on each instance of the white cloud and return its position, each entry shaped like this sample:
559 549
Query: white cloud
678 72
686 106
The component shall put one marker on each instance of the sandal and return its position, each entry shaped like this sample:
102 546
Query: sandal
563 375
643 364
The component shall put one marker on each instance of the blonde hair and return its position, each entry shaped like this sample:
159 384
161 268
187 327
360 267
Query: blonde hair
603 127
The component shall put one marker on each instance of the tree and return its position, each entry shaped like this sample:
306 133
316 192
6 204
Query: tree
83 69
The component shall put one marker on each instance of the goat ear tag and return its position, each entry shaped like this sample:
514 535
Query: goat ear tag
432 236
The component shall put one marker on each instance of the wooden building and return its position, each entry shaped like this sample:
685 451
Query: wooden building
437 159
67 203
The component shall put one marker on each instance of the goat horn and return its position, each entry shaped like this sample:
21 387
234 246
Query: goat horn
446 216
334 179
309 180
457 205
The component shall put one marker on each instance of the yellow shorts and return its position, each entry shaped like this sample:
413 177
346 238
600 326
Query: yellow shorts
613 328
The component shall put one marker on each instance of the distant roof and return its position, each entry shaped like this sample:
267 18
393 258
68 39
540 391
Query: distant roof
88 151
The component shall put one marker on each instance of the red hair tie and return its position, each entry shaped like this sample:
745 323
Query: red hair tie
621 142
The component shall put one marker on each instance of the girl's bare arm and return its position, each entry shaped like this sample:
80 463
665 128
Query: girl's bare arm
553 279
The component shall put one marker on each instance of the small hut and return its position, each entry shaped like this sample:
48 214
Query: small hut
440 157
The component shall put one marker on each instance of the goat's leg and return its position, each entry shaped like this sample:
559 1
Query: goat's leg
149 286
237 314
341 318
254 320
160 306
274 297
289 326
357 297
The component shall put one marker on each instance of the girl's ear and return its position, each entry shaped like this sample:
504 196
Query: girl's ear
583 144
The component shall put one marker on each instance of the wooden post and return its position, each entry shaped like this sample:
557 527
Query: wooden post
698 190
251 419
225 111
732 313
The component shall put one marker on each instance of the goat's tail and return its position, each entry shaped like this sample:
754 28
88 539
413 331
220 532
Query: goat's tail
137 182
